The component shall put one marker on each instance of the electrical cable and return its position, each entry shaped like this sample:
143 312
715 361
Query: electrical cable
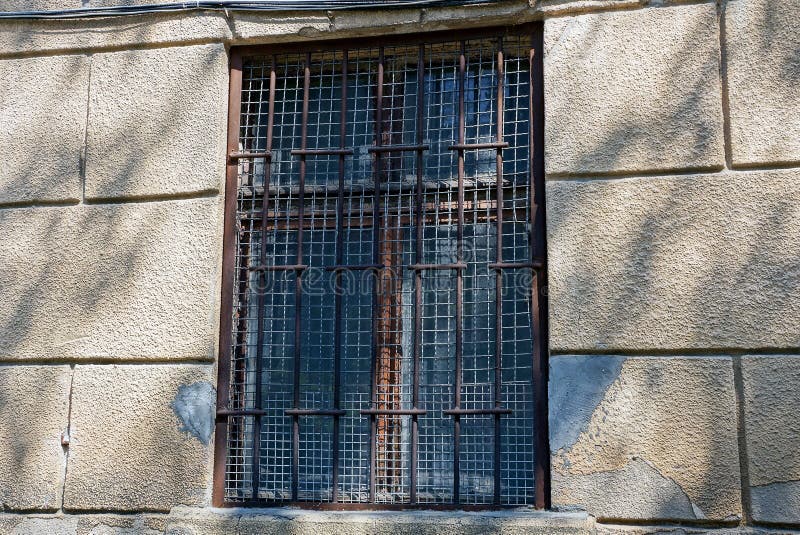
234 5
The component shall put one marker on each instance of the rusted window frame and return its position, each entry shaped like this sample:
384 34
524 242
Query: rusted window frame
537 262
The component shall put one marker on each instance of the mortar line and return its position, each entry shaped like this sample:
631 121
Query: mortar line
736 169
68 432
741 435
722 6
678 352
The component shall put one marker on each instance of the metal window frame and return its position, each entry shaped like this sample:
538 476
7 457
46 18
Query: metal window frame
538 253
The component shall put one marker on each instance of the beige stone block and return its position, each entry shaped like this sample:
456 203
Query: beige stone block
123 281
258 27
24 36
38 5
32 524
157 122
43 118
630 91
696 261
645 437
186 521
141 437
115 524
772 422
763 67
34 401
563 7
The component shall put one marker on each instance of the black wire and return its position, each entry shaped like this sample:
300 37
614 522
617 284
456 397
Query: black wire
237 5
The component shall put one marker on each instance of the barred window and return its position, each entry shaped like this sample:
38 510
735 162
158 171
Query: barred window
383 328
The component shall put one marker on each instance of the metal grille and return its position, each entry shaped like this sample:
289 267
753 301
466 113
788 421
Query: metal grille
384 322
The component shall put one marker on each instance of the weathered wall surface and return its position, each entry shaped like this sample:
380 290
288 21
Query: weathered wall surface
673 237
673 164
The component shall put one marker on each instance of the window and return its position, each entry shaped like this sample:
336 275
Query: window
383 327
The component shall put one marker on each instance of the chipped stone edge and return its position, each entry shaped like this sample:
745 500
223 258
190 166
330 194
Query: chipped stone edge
21 38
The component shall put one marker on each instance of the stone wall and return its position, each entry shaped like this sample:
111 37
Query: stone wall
673 164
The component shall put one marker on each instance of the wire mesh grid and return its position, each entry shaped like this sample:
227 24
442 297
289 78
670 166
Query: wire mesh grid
312 227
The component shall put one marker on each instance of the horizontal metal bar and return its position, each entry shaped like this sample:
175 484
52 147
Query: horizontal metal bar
315 412
421 267
238 155
398 148
393 412
289 267
516 265
241 412
477 146
321 152
495 410
355 267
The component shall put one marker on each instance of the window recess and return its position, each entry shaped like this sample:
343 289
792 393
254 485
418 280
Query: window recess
383 328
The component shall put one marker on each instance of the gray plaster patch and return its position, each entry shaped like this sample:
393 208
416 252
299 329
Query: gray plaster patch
776 502
640 491
577 385
194 406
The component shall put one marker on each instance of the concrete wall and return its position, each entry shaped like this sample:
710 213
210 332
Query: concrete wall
673 164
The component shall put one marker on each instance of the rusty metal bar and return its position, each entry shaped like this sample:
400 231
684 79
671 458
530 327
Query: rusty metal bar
495 411
477 146
240 155
298 289
424 267
354 267
462 67
418 224
376 251
498 344
241 412
393 412
262 258
400 148
337 329
322 152
229 247
538 249
536 264
288 267
315 412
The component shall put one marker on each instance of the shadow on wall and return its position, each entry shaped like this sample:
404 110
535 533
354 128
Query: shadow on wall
103 280
664 265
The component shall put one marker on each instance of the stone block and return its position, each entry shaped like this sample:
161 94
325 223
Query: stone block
122 281
258 27
157 122
644 438
43 118
668 263
17 524
772 423
763 67
34 401
565 7
38 5
24 36
186 521
630 91
141 437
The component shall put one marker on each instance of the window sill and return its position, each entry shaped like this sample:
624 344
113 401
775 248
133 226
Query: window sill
301 521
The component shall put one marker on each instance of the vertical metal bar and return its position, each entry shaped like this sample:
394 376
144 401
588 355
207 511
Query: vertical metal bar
229 244
298 287
462 67
376 252
498 303
538 245
418 273
262 259
337 330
